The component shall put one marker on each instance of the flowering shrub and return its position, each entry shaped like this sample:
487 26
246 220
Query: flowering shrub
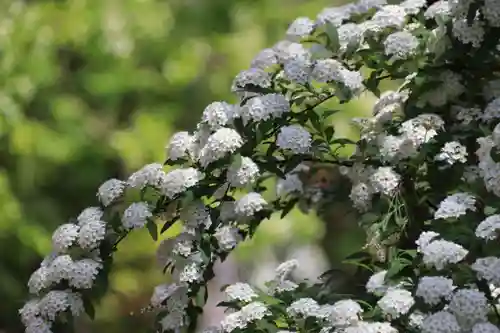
425 176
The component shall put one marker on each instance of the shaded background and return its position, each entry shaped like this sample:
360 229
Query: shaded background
93 89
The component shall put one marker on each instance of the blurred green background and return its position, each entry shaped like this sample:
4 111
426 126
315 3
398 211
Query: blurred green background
93 89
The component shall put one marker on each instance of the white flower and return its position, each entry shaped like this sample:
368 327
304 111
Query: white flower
57 301
179 180
469 34
265 59
352 80
363 6
335 15
294 138
388 98
243 172
281 286
218 114
250 204
440 322
252 76
389 16
180 146
39 280
254 311
439 8
291 184
301 27
174 320
233 321
227 237
286 50
455 205
190 272
453 152
488 268
376 283
240 292
433 289
60 268
223 142
424 239
413 7
110 191
136 215
83 273
30 311
91 234
372 327
361 196
344 313
439 253
150 174
39 325
90 214
416 319
396 302
492 110
298 70
327 70
489 228
285 269
265 107
64 236
349 34
485 327
469 306
196 215
304 307
401 45
385 181
174 294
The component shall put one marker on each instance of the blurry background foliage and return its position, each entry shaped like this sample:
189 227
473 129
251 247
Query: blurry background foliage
93 89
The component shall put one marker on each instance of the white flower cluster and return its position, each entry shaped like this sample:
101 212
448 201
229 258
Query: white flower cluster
419 132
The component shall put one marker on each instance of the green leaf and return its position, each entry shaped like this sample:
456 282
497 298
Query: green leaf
188 198
288 207
343 141
89 307
153 229
316 121
488 210
333 37
168 224
326 114
236 160
292 163
329 132
396 267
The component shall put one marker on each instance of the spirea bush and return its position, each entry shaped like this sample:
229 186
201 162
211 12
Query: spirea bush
424 176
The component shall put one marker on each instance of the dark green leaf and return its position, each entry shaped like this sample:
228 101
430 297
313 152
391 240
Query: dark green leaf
316 121
153 229
329 113
343 141
288 207
168 224
329 132
89 307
